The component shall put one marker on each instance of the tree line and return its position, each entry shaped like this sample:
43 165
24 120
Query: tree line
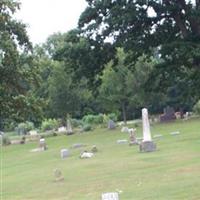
122 56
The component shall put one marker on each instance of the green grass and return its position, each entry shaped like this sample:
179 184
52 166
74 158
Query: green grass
172 172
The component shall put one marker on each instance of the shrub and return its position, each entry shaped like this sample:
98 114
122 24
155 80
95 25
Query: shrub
196 108
48 134
113 116
136 125
23 128
93 119
76 122
5 140
49 124
87 127
9 125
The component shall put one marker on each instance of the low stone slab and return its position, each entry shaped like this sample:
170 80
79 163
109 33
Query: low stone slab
37 150
122 141
157 136
110 196
147 146
175 133
78 145
139 138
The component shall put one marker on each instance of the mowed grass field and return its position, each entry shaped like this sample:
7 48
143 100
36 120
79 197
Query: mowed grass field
170 173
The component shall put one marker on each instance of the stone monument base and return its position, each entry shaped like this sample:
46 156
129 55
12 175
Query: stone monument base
147 146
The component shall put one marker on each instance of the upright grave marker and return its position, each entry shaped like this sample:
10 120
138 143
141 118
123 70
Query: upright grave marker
147 145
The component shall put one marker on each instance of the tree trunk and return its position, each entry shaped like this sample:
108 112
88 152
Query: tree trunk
124 112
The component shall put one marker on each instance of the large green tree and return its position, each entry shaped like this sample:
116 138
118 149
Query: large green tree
84 56
122 84
171 25
18 73
65 95
169 29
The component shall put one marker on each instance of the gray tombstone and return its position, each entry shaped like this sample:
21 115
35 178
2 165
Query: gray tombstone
58 175
168 115
111 124
64 153
42 144
132 137
110 196
77 145
94 149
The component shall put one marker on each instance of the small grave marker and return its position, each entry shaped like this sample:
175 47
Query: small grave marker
110 196
175 133
64 153
124 141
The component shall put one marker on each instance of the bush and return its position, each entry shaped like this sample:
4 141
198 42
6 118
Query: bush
9 125
23 128
112 116
196 108
87 127
48 134
76 122
93 119
5 140
49 124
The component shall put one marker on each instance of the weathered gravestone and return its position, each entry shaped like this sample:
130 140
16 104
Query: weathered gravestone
147 145
124 129
132 137
111 124
64 153
110 196
58 175
42 144
94 149
168 115
69 128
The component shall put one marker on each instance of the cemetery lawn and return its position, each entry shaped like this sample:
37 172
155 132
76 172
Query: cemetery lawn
170 173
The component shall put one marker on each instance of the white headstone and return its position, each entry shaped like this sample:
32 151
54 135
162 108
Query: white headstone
124 129
86 155
64 153
110 196
62 129
146 126
42 141
33 133
42 144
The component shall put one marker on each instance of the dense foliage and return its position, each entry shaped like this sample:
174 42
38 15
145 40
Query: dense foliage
123 56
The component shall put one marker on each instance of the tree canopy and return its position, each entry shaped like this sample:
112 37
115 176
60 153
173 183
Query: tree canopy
167 29
17 70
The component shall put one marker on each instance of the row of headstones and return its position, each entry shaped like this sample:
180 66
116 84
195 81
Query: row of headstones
147 145
64 153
